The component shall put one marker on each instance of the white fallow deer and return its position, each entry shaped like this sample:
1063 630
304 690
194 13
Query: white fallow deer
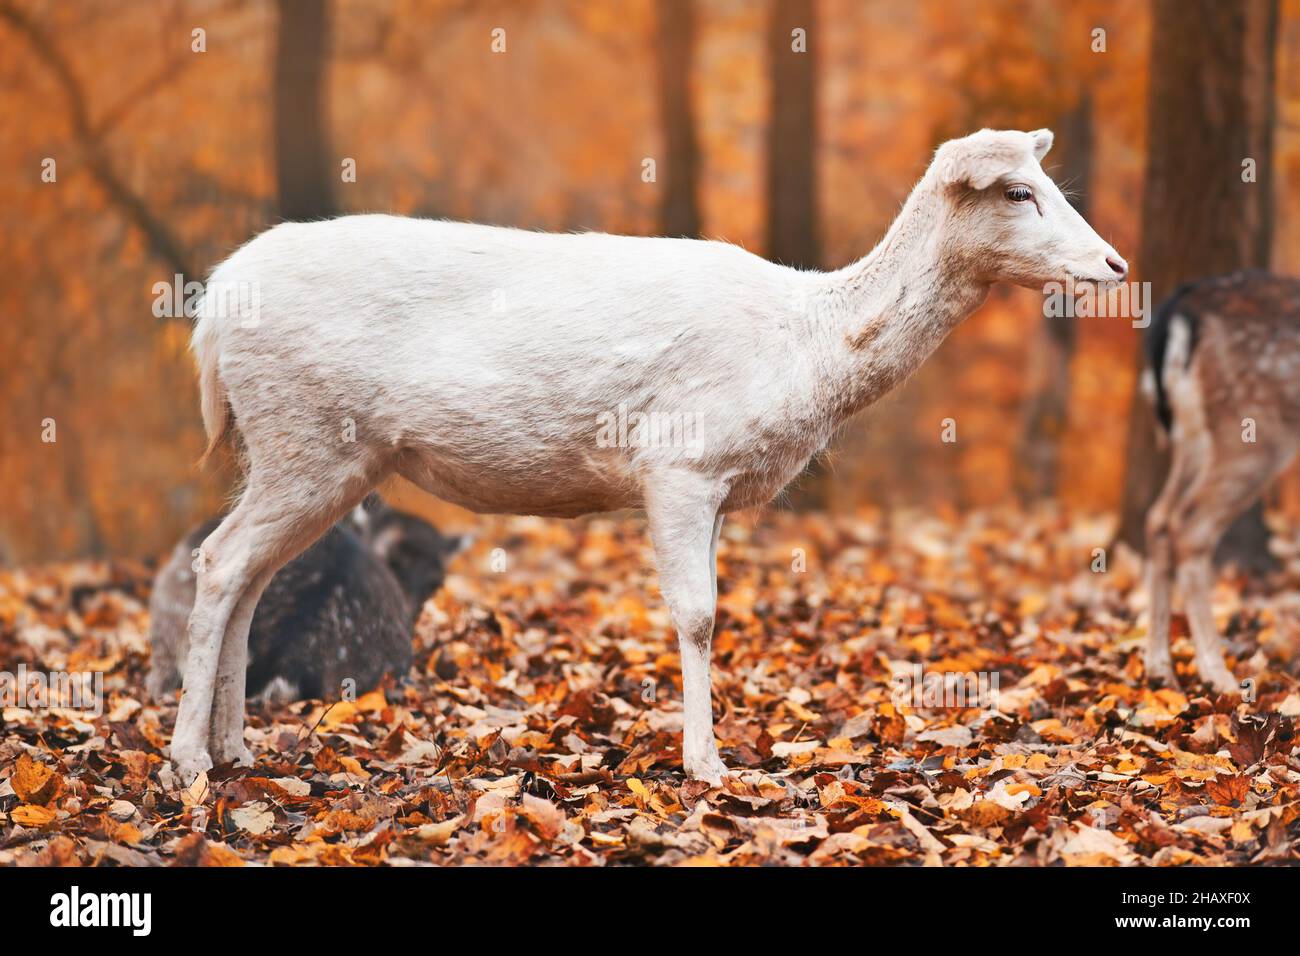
1225 353
485 364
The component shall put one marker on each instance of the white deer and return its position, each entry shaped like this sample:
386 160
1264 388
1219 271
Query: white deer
484 365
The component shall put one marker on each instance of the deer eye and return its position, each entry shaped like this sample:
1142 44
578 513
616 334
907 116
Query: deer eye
1019 194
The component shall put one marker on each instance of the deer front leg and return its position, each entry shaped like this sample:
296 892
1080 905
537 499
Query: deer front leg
684 525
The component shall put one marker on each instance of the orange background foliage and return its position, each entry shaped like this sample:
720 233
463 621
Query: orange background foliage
550 135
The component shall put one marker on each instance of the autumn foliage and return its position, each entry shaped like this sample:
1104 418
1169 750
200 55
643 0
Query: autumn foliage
551 134
542 721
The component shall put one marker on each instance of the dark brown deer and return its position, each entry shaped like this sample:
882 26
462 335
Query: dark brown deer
1225 353
343 610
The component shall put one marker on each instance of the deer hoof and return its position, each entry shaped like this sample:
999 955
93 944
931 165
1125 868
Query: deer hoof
189 764
241 756
710 769
1161 674
1220 679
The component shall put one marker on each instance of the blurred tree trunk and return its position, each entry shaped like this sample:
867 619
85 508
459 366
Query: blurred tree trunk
679 213
1047 409
792 232
793 237
1210 108
303 158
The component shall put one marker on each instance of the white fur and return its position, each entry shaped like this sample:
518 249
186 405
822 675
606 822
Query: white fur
480 362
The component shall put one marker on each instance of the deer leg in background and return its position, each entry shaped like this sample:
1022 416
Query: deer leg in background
1236 476
1160 573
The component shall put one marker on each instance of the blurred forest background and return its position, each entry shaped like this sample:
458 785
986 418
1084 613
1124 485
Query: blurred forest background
167 157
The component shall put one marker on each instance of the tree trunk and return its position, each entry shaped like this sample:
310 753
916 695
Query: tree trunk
1047 410
792 233
1210 109
679 213
304 167
793 237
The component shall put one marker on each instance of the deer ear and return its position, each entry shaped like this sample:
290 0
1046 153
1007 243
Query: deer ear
1042 142
457 543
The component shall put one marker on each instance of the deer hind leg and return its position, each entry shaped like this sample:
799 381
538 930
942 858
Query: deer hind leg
1234 477
1160 572
279 515
219 584
226 728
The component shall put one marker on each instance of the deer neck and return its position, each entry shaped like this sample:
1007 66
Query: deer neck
882 316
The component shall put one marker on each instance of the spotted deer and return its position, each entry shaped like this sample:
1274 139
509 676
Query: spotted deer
482 364
1225 353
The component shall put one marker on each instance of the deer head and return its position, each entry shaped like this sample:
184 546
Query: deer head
1009 222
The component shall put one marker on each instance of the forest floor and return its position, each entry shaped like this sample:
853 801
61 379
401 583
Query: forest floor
541 723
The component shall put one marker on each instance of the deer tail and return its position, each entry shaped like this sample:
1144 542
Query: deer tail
218 419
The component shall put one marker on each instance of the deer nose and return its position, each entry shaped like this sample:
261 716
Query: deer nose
1117 266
